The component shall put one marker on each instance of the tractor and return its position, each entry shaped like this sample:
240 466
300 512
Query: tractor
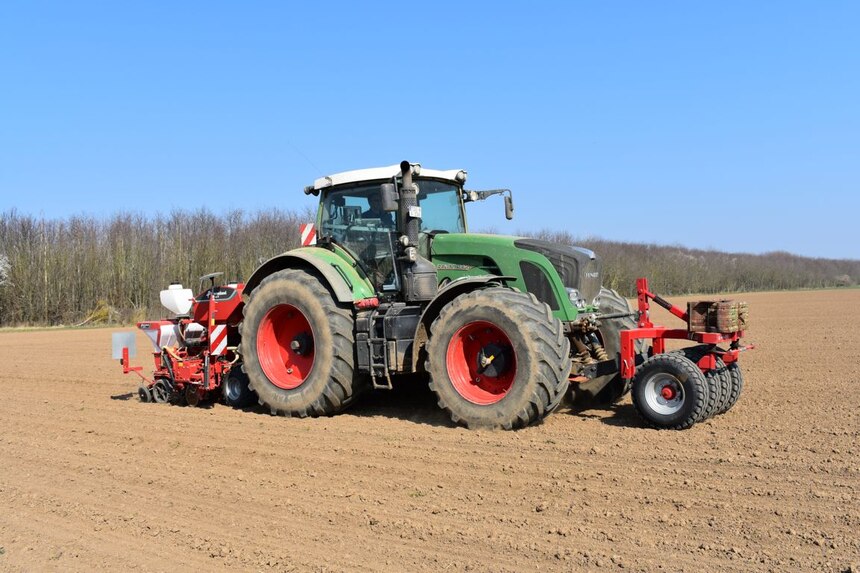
390 284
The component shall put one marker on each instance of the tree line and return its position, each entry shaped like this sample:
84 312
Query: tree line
87 269
675 270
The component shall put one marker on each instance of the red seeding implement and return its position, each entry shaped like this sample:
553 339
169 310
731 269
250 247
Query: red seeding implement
195 350
388 282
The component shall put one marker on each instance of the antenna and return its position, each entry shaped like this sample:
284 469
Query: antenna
306 158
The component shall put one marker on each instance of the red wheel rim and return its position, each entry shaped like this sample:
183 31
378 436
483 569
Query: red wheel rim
479 383
285 346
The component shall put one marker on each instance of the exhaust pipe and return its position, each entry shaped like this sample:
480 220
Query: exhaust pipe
410 215
419 274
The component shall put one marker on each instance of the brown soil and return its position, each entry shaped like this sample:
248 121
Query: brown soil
91 479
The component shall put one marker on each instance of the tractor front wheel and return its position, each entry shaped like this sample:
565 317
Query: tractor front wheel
498 358
298 346
610 388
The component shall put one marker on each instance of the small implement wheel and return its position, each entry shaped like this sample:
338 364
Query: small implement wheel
723 381
192 395
143 394
498 358
235 389
299 346
669 391
161 391
714 381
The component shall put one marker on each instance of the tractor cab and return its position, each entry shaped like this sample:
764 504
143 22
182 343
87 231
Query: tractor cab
353 214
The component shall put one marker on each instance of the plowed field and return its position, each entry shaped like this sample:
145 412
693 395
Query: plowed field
91 479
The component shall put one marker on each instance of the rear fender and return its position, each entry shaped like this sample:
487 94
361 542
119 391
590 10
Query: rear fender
342 278
445 295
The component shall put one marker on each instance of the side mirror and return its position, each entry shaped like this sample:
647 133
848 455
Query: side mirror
389 197
509 207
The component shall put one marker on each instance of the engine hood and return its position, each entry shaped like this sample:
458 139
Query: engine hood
578 268
499 254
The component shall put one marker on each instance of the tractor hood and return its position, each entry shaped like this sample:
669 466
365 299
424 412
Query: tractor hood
564 267
578 268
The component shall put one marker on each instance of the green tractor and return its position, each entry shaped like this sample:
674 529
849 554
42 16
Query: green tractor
396 285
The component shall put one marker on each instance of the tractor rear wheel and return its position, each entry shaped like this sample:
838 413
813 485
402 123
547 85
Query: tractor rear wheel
669 391
298 346
498 358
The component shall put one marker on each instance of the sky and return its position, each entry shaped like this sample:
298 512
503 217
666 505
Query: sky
726 125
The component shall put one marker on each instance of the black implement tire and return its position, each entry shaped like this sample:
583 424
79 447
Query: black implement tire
669 391
612 387
191 395
736 386
715 382
235 389
724 381
298 346
143 394
498 358
161 391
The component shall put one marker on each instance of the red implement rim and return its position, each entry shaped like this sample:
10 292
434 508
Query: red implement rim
464 368
283 366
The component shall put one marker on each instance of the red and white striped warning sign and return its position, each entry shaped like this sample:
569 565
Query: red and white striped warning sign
218 340
309 234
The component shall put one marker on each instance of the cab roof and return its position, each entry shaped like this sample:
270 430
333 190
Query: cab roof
455 176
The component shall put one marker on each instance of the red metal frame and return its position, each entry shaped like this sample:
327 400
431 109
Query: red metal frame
659 335
127 367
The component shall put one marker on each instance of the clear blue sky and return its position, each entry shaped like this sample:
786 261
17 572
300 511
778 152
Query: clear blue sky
732 125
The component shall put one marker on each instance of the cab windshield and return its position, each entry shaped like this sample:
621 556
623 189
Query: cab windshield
441 206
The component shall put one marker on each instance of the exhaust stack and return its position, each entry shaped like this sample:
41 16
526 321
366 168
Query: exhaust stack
419 274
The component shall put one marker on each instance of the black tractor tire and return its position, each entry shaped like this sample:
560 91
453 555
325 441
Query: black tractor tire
235 389
736 386
669 391
498 358
298 346
611 388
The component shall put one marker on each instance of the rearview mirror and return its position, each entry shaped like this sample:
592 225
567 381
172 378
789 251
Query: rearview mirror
389 197
509 207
